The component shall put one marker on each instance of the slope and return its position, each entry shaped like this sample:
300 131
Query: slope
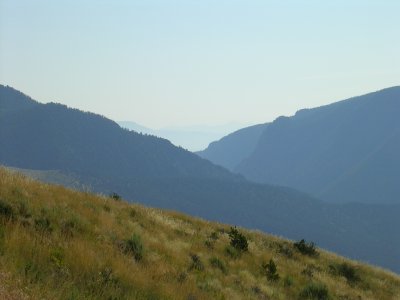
62 244
233 148
97 153
341 152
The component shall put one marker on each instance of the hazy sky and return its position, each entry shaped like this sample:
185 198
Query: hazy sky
169 62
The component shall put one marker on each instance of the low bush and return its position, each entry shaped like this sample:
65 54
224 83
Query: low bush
43 224
270 270
309 270
346 270
219 264
23 210
134 246
238 240
232 252
6 210
196 263
57 257
306 248
214 235
106 208
288 281
315 291
132 213
2 236
72 224
115 196
182 277
257 290
209 244
107 277
285 250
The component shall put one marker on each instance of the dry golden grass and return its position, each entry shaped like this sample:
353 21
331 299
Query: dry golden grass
57 243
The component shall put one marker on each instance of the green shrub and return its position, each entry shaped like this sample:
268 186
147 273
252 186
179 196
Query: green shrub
107 277
71 225
2 236
346 270
196 263
214 235
115 197
257 290
68 228
132 213
57 257
23 210
309 270
232 252
209 244
288 281
134 246
238 240
33 271
315 291
285 250
43 224
270 270
182 277
219 264
6 210
306 248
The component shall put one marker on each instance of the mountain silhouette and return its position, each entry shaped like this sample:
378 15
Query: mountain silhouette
347 151
105 158
230 150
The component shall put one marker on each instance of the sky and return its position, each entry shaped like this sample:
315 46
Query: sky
178 63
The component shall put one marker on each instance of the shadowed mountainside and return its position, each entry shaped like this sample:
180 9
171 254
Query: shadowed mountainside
343 152
233 148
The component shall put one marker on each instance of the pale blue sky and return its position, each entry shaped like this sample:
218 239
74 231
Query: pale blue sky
163 63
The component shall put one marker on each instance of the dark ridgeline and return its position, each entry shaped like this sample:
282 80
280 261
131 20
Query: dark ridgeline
152 171
230 150
344 152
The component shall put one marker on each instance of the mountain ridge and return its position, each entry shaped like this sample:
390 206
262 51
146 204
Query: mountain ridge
241 144
344 151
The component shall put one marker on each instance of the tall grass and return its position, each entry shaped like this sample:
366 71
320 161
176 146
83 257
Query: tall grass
57 243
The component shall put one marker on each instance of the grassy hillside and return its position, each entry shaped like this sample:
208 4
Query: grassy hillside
57 243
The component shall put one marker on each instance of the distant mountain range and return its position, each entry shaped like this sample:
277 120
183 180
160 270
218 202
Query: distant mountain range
192 138
347 151
99 154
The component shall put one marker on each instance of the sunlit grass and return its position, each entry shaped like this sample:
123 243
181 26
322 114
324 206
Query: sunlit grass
57 243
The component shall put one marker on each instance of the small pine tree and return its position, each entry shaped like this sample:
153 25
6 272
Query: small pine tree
115 196
306 248
271 270
238 240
